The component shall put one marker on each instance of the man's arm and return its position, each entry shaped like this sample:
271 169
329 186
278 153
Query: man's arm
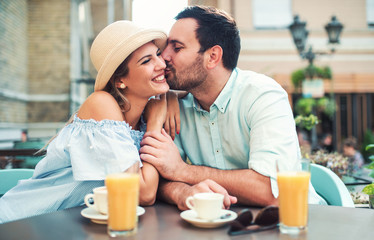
250 187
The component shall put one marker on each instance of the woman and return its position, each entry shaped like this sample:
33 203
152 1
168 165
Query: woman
104 135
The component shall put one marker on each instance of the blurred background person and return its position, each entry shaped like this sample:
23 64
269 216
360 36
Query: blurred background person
304 143
355 157
326 143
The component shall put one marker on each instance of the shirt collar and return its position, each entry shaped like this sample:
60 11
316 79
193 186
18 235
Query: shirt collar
224 97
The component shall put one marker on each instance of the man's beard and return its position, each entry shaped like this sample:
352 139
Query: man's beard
189 78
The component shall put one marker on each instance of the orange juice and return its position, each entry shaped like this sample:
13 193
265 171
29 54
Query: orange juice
293 198
123 199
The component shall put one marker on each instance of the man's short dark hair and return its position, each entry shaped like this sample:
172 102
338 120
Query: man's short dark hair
216 27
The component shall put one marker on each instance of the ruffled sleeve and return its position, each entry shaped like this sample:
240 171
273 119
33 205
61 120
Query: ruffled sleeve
98 148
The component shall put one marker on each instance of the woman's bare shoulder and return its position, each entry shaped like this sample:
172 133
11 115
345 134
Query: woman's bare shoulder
100 105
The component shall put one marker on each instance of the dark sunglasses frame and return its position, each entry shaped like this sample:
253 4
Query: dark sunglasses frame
266 219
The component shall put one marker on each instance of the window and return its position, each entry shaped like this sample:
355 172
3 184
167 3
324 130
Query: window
272 14
157 14
370 13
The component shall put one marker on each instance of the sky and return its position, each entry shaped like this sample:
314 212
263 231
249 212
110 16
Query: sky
157 13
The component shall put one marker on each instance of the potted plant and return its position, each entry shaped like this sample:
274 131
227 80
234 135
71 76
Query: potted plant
299 75
327 105
369 189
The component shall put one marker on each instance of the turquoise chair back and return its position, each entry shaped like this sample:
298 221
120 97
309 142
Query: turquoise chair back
10 177
329 186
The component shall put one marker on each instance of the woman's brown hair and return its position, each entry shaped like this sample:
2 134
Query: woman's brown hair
121 71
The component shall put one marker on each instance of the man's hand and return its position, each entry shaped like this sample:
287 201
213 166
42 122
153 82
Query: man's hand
204 186
159 150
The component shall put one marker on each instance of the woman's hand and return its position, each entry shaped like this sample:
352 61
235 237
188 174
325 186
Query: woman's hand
172 122
155 113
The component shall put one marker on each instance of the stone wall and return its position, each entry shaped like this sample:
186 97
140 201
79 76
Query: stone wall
34 61
13 61
49 59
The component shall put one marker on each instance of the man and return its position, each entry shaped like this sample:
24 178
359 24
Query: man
237 126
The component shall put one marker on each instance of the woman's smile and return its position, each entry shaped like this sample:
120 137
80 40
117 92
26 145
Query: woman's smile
159 79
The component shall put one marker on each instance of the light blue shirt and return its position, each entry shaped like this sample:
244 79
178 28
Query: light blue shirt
250 125
77 161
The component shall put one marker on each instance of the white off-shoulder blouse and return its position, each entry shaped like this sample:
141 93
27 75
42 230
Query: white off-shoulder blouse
77 161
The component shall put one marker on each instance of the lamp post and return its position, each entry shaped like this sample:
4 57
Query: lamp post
300 36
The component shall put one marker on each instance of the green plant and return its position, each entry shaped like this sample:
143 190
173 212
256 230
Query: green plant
304 106
311 71
369 189
307 122
297 78
368 139
327 105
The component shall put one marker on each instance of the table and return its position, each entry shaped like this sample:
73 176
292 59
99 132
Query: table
162 221
356 180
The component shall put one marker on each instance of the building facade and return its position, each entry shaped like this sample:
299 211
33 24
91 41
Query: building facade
46 73
267 47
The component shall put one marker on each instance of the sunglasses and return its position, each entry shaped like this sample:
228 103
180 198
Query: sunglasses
266 219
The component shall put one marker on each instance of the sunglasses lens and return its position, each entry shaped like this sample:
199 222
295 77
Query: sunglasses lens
236 226
245 217
268 216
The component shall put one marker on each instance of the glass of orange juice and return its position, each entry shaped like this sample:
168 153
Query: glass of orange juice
293 198
123 200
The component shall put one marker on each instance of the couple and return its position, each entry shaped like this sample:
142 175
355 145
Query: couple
235 126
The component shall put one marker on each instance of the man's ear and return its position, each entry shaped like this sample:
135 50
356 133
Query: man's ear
214 55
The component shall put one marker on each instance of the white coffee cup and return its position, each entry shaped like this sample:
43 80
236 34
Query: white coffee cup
100 200
208 206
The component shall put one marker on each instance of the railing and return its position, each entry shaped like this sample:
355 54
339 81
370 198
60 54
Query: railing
18 157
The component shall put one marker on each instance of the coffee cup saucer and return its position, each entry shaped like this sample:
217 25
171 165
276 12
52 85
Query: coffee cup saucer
191 217
99 218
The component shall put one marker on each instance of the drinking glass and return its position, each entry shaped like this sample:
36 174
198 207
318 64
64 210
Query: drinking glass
123 200
293 198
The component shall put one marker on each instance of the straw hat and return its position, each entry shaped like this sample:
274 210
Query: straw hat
115 43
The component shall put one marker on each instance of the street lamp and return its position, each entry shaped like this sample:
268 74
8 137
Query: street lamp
300 35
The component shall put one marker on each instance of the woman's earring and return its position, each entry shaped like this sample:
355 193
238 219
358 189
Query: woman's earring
122 86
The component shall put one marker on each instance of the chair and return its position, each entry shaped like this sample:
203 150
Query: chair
329 186
9 178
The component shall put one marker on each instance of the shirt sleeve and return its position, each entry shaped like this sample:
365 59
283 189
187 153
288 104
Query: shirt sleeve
177 142
177 139
97 151
273 139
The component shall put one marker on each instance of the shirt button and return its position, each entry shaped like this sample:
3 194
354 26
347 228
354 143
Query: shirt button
212 123
217 151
